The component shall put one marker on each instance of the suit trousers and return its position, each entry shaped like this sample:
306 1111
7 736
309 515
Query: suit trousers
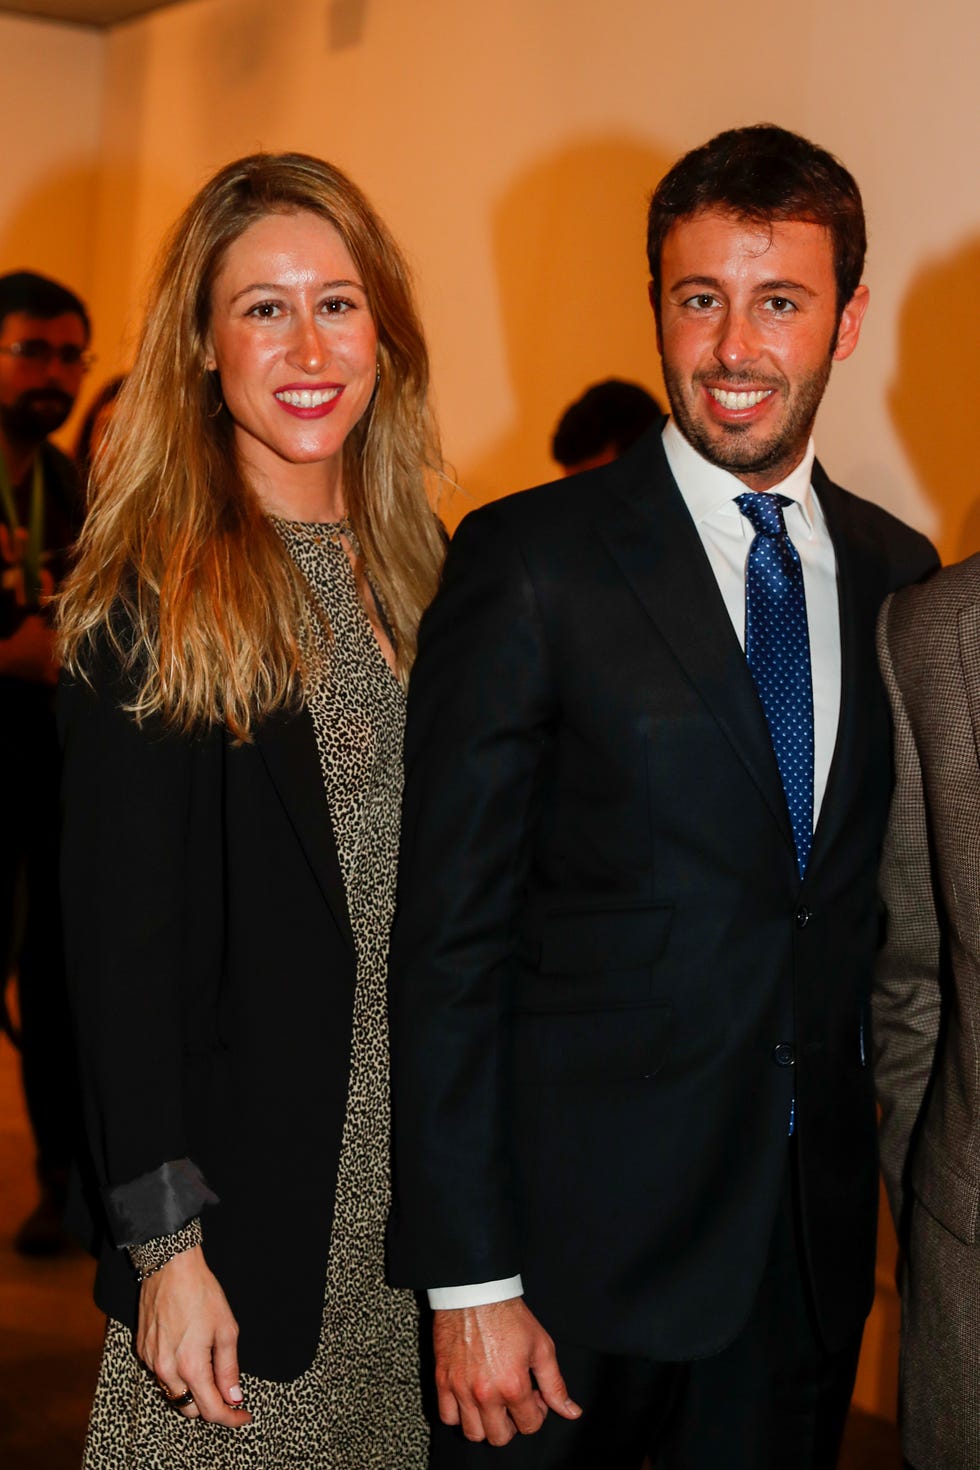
774 1399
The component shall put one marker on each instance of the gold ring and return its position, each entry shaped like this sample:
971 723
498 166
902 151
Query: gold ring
177 1400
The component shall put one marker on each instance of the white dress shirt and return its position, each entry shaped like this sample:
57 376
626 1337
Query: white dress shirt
726 535
709 494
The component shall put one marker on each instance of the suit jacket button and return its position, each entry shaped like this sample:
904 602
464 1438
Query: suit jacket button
783 1054
802 916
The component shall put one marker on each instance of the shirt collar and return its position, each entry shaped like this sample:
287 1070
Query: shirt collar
708 489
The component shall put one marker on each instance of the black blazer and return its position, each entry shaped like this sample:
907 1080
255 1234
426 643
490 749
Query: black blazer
211 967
607 979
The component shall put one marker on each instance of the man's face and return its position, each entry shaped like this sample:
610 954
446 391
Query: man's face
748 331
36 396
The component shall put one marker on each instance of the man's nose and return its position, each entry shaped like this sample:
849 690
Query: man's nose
737 344
60 373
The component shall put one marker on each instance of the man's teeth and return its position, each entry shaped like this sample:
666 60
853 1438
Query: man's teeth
307 397
738 400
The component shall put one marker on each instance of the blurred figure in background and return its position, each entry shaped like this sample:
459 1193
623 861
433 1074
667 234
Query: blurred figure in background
44 337
596 428
94 425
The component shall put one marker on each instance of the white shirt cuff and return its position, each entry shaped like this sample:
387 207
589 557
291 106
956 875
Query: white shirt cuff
447 1298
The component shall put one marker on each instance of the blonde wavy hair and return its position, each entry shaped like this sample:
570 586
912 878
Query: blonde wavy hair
177 566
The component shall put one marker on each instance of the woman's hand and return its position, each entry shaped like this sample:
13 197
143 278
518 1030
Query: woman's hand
188 1339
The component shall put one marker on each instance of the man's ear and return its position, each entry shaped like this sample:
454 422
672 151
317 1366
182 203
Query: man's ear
849 329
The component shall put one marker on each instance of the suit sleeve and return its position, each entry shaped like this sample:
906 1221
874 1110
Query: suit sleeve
126 794
478 719
906 996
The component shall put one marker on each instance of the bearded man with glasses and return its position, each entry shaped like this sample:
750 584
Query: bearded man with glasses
44 355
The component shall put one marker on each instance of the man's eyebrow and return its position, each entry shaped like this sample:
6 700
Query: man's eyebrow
278 286
695 280
787 286
716 285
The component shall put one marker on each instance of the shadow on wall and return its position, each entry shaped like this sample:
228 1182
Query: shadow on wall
933 398
52 231
41 232
569 240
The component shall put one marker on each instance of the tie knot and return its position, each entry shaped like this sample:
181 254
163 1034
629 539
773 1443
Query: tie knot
764 511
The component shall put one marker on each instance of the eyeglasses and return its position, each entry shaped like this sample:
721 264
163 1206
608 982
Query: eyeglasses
39 350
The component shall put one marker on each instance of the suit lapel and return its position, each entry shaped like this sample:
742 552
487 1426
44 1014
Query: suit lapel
968 637
861 588
287 744
657 547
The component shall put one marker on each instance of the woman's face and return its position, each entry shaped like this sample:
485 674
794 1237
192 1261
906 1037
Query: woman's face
294 345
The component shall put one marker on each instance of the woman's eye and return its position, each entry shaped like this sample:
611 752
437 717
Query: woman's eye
336 306
264 309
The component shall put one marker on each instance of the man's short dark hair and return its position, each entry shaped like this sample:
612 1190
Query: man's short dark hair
40 297
764 173
612 413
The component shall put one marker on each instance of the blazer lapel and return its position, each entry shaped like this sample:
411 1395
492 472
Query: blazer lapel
287 744
658 549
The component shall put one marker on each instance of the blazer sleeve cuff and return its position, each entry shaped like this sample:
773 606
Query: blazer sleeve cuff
158 1203
448 1298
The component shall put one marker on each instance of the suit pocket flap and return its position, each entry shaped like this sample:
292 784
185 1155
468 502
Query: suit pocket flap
594 1046
603 940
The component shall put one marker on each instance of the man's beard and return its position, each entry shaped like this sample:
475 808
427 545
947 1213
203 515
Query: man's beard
35 414
737 451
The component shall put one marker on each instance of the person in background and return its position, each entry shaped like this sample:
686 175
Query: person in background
596 428
93 427
44 356
237 634
648 774
926 1006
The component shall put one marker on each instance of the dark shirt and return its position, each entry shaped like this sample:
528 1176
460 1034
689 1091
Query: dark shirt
63 511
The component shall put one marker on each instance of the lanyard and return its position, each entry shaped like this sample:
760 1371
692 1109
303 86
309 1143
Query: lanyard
31 560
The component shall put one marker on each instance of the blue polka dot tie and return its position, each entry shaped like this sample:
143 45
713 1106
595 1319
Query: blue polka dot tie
777 647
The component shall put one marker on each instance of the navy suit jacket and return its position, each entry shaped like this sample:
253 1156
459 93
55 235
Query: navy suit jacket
608 982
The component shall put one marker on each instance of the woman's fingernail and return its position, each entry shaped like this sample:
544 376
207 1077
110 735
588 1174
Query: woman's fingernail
235 1394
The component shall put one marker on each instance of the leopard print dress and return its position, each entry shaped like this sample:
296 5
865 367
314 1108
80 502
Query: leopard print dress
358 1406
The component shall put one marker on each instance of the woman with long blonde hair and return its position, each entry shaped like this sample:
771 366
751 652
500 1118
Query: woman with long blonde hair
237 631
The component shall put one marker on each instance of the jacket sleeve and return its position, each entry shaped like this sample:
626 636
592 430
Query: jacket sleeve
906 996
478 718
126 796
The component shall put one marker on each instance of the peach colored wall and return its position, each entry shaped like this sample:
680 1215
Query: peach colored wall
511 147
51 124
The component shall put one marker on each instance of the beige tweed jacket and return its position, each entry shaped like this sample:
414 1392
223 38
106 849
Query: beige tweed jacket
927 1007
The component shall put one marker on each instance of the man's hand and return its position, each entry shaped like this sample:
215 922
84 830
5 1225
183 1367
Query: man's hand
188 1339
485 1359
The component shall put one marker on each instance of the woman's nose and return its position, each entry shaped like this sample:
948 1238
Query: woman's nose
308 350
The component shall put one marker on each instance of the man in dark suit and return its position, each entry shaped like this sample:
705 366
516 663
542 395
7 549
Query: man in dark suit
44 339
648 775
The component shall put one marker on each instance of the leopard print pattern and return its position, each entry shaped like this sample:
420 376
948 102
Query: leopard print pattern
358 1406
151 1255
